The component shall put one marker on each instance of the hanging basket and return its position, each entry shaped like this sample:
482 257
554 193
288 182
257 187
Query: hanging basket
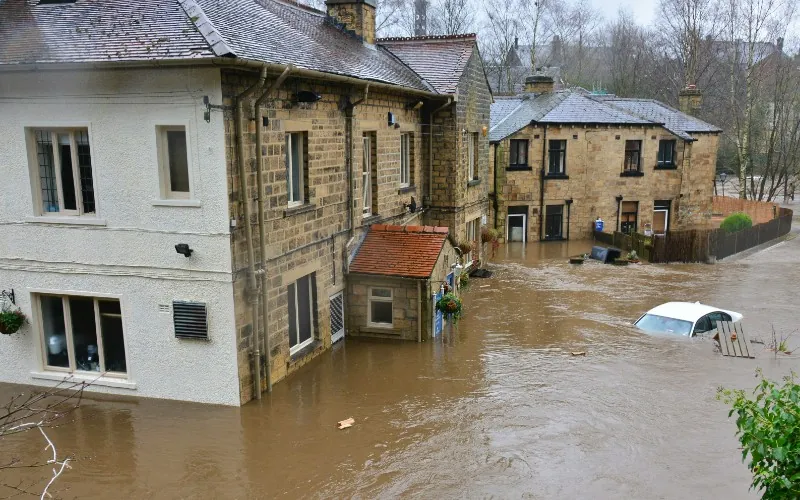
11 321
450 306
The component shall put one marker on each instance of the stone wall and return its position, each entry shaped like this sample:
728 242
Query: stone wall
405 300
594 167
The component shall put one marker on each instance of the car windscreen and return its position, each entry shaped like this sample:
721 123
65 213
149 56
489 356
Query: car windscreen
662 324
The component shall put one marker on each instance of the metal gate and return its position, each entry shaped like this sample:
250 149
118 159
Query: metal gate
337 317
438 317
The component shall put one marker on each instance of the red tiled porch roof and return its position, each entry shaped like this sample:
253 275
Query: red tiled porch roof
403 251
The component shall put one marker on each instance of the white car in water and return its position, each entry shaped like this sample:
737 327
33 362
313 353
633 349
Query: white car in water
684 318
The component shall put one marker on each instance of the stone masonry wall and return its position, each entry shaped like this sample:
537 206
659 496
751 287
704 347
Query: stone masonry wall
594 162
404 307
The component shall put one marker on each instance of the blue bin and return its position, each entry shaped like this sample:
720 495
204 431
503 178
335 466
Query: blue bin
598 225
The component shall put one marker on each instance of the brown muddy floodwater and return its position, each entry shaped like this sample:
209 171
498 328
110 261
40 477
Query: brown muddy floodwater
495 408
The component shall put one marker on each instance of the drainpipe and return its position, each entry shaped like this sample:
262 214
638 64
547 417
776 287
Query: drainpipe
419 311
252 284
496 203
430 148
348 159
262 233
541 183
569 206
619 204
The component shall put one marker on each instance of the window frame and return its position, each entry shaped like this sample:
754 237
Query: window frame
371 299
289 140
311 312
623 214
36 305
406 139
473 234
552 216
561 154
34 169
472 145
367 161
671 163
627 161
515 145
164 171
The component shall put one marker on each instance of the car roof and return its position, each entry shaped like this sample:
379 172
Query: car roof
688 311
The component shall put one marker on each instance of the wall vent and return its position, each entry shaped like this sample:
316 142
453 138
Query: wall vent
164 308
190 319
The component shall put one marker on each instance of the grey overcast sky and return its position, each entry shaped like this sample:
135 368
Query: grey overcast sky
643 10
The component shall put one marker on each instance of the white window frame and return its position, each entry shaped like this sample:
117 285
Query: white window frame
72 369
290 138
524 227
366 176
473 233
405 160
34 167
311 305
371 299
471 155
164 173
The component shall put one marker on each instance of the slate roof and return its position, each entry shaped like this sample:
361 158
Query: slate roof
271 31
509 115
400 251
440 60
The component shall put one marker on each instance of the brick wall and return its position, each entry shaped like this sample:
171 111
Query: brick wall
594 162
759 211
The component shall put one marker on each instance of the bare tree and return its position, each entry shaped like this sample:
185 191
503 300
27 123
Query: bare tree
500 33
535 24
36 412
451 17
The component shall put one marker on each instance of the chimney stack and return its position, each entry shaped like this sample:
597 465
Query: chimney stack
356 16
690 99
420 17
779 45
539 84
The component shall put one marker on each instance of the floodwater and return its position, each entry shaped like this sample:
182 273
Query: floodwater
496 407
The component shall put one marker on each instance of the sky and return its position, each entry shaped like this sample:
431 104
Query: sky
643 10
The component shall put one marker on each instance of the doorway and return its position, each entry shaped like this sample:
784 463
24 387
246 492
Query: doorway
554 222
517 224
661 209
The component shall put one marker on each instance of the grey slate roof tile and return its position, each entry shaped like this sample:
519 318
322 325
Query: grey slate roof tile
675 121
440 60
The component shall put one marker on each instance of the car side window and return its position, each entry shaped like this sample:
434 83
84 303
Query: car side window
703 324
725 317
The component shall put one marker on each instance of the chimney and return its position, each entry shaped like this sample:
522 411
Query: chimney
555 51
516 42
690 99
420 17
356 16
539 84
779 45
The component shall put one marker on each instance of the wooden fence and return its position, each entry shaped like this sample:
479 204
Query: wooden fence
699 245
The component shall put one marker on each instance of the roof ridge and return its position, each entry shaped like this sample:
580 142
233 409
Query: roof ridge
431 38
206 28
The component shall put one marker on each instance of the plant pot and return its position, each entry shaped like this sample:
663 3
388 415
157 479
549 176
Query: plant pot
7 330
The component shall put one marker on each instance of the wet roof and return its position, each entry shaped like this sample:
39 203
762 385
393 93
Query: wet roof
271 31
509 115
400 251
440 60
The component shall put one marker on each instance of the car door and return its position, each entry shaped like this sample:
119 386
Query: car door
703 325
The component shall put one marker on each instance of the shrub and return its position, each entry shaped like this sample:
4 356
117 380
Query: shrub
768 424
11 321
736 222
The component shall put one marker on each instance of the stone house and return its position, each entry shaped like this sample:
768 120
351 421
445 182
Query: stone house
393 278
201 174
562 159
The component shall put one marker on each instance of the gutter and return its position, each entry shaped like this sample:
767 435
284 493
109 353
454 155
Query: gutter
262 235
252 285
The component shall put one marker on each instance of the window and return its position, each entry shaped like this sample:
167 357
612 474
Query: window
82 334
173 159
369 181
629 216
633 156
406 155
518 156
473 238
302 308
380 307
666 154
64 167
554 222
472 149
296 170
558 157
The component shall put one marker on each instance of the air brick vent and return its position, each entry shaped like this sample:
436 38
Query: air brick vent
190 319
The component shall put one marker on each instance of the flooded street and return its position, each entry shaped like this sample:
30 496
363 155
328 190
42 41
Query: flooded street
496 407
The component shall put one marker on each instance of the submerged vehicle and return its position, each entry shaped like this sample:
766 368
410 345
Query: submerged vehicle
684 318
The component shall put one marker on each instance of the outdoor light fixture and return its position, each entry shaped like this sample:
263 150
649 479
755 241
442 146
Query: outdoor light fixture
723 177
183 249
307 96
411 206
619 198
568 202
457 268
391 119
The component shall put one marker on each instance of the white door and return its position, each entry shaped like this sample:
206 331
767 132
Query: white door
337 317
516 228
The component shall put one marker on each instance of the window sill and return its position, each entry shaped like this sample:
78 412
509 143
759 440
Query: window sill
406 189
556 176
519 168
93 380
632 173
370 219
67 219
473 182
666 167
177 203
305 351
300 209
380 330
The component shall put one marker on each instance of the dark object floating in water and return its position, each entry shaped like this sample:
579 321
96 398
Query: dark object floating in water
577 259
606 255
481 273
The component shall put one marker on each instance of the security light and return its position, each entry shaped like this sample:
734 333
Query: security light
183 249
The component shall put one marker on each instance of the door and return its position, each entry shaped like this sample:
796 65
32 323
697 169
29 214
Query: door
438 316
554 222
337 317
517 225
661 216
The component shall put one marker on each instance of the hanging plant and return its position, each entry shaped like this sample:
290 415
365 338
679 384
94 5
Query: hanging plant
465 247
450 306
11 321
463 280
